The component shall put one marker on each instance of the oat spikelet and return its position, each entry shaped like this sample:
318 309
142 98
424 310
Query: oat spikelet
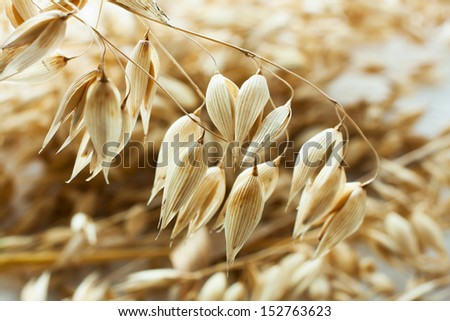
73 102
150 279
403 234
268 172
81 223
184 130
243 213
104 118
183 181
236 292
272 283
310 155
343 221
270 129
429 232
303 277
40 71
18 11
143 8
252 98
204 203
127 127
84 156
221 98
91 289
319 197
36 289
32 41
141 87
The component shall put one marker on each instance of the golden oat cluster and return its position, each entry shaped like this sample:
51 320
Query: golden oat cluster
145 101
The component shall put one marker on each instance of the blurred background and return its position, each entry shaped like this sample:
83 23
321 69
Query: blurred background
387 62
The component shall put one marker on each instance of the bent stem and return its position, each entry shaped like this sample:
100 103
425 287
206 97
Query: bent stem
177 65
115 48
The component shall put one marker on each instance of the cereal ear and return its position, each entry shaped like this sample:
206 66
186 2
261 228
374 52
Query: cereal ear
243 213
319 197
73 101
204 202
220 104
311 153
143 8
270 129
41 71
252 98
32 41
103 119
184 130
344 222
184 178
18 11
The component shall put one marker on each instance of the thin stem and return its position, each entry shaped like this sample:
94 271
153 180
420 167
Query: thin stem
246 52
203 48
124 72
287 84
364 137
278 159
100 10
177 65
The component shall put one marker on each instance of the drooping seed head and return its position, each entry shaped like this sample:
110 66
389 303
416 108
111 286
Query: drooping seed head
345 221
221 98
270 129
252 98
104 117
18 11
41 71
319 197
182 130
142 88
243 212
204 202
310 157
73 102
143 8
183 180
32 41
